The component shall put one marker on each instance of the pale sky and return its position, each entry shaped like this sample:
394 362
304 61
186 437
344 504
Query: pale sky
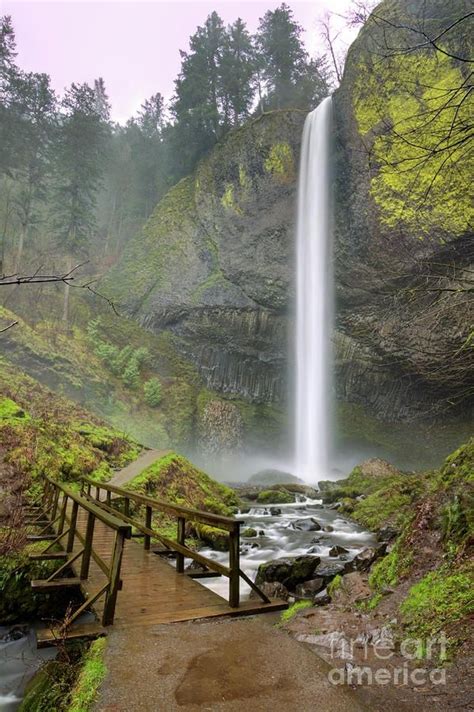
134 46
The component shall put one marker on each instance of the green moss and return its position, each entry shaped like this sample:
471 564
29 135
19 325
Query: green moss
175 479
11 411
50 688
93 671
280 162
409 91
439 600
334 585
249 532
295 608
228 199
275 497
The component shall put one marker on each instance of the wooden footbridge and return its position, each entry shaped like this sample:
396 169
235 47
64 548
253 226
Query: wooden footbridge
105 545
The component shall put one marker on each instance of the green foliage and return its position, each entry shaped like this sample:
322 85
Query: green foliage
441 598
93 671
66 446
153 392
18 601
126 363
295 608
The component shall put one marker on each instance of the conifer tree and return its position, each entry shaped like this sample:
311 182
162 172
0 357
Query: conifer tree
78 169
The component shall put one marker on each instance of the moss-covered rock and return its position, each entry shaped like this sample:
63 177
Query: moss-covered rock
272 496
175 479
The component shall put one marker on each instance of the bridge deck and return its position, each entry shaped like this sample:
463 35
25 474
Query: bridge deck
152 592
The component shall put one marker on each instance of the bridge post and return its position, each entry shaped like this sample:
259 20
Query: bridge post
147 538
114 580
180 540
72 530
234 565
86 556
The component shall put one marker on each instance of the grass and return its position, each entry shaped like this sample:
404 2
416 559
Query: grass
90 677
295 608
439 600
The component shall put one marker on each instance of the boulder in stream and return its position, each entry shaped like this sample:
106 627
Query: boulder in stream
290 571
338 550
307 525
328 570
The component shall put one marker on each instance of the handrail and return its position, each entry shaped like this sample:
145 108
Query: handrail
195 515
112 521
232 526
50 505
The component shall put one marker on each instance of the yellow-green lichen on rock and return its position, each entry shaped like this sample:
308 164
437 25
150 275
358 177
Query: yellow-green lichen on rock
409 110
280 162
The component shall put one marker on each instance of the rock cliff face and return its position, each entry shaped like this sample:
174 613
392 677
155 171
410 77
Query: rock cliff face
404 244
214 265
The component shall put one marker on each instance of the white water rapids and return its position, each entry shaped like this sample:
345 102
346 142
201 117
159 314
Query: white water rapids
313 299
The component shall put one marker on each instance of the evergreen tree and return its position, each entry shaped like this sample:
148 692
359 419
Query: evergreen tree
237 70
78 169
9 139
285 68
197 101
102 103
35 109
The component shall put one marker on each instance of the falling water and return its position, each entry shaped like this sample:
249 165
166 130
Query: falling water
312 421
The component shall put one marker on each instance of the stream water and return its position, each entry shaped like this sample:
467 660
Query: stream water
19 660
278 538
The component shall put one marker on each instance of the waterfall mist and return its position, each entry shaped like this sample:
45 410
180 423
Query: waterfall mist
313 299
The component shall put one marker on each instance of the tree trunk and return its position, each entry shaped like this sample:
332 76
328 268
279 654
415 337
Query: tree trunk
19 251
67 288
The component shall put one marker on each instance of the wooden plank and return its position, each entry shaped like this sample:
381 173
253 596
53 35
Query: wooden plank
45 585
49 556
41 537
47 637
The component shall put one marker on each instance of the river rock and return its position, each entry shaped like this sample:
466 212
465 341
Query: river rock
353 588
338 551
387 533
364 560
289 571
328 528
195 566
310 588
249 532
322 598
307 525
272 589
328 570
275 511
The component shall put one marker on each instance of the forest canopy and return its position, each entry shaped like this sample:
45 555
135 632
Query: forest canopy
78 185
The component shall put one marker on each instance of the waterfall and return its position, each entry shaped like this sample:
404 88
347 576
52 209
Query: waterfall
313 301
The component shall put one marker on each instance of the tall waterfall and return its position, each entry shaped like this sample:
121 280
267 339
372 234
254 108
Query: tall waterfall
313 302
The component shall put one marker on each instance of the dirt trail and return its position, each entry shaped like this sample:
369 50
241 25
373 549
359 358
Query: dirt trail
229 665
134 468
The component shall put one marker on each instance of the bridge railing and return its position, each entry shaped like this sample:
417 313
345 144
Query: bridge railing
57 514
142 520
